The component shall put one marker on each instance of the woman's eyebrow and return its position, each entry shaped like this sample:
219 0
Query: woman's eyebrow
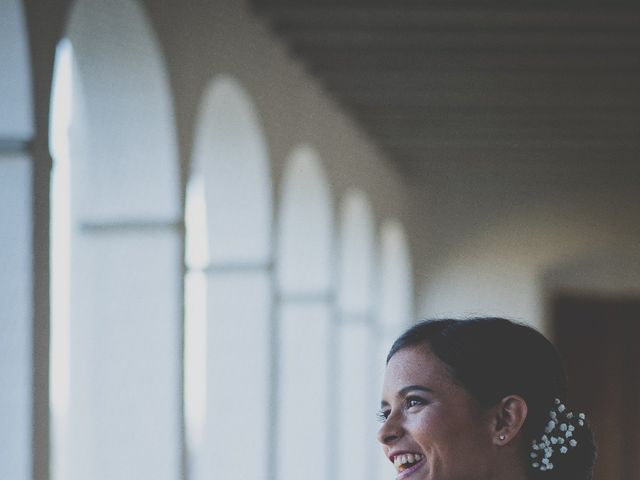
409 388
405 390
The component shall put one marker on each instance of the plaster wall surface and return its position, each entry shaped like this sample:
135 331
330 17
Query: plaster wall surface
205 39
498 239
198 41
15 316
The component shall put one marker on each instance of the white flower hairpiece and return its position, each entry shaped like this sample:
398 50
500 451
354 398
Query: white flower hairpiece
558 435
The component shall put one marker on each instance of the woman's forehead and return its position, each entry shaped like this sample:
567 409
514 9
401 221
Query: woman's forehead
415 364
420 367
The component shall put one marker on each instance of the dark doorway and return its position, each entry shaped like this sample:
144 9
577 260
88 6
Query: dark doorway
599 339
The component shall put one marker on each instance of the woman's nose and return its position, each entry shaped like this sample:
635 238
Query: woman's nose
390 431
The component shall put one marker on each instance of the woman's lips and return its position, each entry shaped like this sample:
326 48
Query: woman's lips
409 471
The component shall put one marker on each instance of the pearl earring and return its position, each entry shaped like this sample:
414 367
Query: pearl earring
502 437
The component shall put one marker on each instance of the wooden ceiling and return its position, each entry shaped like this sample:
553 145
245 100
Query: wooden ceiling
466 81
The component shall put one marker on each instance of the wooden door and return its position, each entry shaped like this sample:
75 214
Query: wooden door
599 340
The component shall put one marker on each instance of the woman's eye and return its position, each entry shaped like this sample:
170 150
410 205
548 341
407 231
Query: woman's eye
383 415
414 402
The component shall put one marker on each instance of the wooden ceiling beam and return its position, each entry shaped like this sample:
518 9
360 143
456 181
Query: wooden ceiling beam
467 79
449 136
412 61
482 145
618 130
485 41
625 157
480 127
552 82
420 16
483 98
556 118
283 7
537 111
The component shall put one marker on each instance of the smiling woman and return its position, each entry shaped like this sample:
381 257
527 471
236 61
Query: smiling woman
481 399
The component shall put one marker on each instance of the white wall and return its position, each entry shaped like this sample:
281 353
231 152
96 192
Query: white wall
393 310
16 255
231 159
305 324
15 316
127 212
356 335
498 238
125 326
227 38
16 121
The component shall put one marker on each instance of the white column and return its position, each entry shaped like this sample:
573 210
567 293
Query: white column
125 383
125 353
305 266
238 372
384 469
16 258
356 412
15 317
304 396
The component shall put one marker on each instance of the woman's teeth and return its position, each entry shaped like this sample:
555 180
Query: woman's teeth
404 461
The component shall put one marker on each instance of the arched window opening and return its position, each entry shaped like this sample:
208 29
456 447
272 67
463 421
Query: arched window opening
355 392
357 245
305 228
305 321
231 175
395 307
116 252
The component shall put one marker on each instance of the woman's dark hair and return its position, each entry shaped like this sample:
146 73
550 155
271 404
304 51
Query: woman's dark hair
493 358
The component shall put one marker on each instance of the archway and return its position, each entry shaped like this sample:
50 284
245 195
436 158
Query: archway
356 380
231 177
124 231
304 275
395 312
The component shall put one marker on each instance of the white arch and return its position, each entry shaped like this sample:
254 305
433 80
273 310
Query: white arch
231 154
395 309
230 157
125 287
355 393
305 226
16 256
357 252
304 267
396 290
129 166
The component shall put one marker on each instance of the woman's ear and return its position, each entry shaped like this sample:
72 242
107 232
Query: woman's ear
510 414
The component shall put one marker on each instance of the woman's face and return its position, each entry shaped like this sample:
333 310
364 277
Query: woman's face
432 428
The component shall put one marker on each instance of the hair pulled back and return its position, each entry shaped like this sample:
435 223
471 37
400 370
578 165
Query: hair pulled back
493 358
